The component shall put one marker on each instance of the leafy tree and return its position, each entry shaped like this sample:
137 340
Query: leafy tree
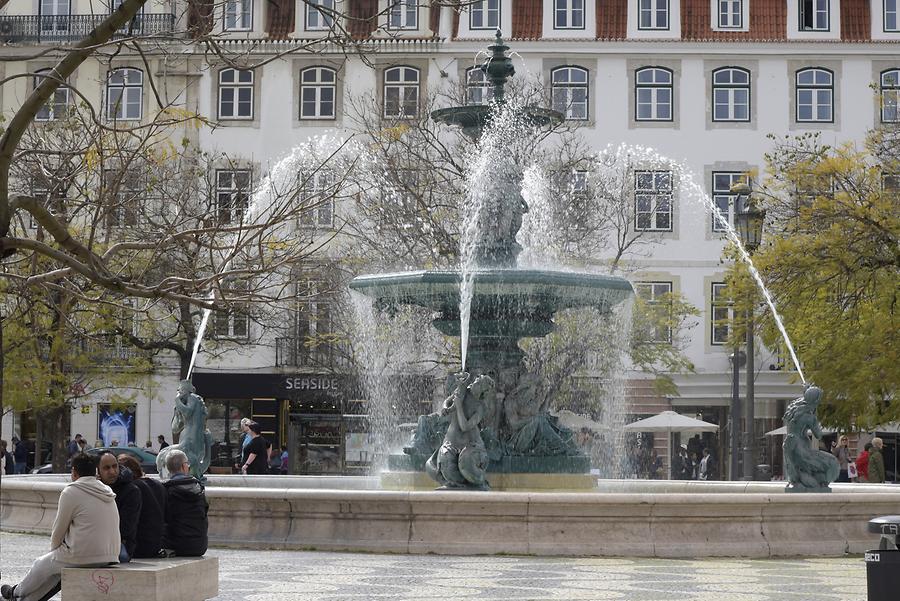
831 258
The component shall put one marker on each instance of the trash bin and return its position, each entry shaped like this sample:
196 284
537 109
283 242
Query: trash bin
883 564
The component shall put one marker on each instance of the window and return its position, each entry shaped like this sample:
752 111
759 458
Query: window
814 15
401 92
890 96
657 296
404 14
731 94
478 88
122 191
730 14
233 322
815 92
653 200
568 14
724 199
238 15
653 14
653 94
55 17
484 14
721 314
315 325
232 194
890 182
891 22
569 91
58 104
317 93
124 94
319 15
235 94
317 198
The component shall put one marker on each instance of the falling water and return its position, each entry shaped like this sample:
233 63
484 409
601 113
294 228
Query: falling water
276 199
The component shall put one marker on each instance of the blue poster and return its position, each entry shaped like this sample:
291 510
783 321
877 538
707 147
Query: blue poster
116 428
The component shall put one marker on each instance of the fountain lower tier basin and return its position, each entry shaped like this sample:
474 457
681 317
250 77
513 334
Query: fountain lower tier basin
620 518
515 302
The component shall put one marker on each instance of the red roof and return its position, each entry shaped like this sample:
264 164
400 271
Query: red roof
527 19
856 21
612 19
768 21
280 18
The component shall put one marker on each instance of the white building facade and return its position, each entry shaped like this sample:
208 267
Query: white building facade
701 81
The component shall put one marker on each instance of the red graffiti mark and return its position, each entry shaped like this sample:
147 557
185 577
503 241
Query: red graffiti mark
104 579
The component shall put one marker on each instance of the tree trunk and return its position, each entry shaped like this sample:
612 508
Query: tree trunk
60 420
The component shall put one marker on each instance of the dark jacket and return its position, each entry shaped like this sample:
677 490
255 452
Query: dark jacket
128 501
186 521
153 515
876 466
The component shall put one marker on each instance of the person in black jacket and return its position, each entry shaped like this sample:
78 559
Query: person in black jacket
128 501
186 510
153 509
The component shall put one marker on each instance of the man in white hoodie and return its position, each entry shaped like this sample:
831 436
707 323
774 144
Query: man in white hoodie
85 534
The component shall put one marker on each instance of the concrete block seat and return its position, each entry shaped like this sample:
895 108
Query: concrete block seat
175 579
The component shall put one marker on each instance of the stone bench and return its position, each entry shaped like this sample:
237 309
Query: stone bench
175 579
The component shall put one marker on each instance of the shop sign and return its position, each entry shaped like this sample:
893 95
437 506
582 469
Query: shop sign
312 383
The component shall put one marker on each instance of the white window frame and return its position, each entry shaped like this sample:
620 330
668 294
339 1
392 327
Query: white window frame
232 197
568 13
721 184
233 323
889 83
317 189
403 15
891 13
237 88
406 90
57 107
315 301
817 8
132 93
316 19
238 15
654 88
890 182
479 90
320 88
721 315
54 17
814 98
563 93
487 12
657 17
731 91
652 294
653 202
730 14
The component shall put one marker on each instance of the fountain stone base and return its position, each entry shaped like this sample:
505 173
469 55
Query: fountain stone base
509 482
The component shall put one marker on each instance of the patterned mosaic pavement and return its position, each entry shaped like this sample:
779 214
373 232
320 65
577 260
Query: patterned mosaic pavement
309 575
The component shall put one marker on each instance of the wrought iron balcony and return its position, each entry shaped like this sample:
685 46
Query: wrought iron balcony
295 352
60 29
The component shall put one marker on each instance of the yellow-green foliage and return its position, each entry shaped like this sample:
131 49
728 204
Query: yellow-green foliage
832 261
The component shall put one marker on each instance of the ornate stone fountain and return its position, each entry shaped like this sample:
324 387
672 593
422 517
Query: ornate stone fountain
520 435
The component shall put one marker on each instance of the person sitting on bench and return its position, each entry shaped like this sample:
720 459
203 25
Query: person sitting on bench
186 510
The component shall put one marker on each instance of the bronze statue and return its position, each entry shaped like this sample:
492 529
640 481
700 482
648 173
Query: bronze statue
189 421
461 461
806 468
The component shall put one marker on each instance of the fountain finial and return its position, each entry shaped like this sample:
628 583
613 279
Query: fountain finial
498 67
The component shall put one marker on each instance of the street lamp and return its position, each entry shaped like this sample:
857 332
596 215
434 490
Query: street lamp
749 226
737 359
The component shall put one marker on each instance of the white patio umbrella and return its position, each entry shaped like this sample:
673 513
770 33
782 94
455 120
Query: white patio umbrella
668 422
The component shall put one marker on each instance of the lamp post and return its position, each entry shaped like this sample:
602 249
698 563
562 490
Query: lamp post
749 225
737 359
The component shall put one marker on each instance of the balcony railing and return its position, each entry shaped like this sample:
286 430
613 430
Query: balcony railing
58 29
294 352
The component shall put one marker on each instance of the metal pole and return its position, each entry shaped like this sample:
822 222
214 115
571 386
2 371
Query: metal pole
749 433
735 413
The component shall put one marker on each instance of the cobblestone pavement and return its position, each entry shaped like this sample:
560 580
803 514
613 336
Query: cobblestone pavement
320 576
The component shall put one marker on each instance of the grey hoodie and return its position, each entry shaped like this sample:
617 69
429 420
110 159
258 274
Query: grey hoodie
86 528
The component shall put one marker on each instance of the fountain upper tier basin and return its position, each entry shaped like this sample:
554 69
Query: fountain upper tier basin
520 300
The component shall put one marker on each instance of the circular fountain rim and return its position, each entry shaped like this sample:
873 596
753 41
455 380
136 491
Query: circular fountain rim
495 276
